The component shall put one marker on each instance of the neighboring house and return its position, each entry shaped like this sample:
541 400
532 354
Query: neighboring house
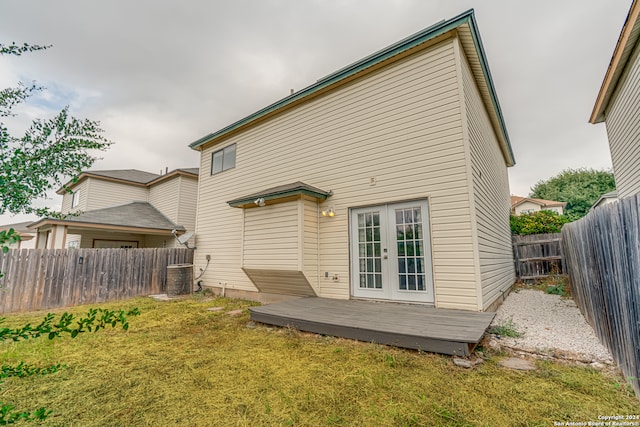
385 180
605 199
122 209
618 105
27 237
525 205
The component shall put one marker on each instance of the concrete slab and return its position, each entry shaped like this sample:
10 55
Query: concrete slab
518 364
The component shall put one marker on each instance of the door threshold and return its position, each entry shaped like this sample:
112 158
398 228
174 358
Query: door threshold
423 304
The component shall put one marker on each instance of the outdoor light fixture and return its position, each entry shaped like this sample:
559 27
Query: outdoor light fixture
259 202
329 212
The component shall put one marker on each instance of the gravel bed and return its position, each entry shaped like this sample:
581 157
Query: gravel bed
551 325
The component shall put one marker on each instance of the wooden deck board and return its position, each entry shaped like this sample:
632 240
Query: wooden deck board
402 325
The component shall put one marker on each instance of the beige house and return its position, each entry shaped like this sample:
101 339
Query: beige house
526 205
386 180
122 209
618 105
27 237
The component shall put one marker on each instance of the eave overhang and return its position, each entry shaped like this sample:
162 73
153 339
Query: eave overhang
44 222
627 43
280 194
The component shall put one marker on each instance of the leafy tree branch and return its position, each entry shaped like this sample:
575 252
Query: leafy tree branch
50 151
67 324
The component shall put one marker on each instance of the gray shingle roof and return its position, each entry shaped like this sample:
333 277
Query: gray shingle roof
133 175
135 214
194 171
20 227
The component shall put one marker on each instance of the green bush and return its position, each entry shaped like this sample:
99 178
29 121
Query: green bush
539 222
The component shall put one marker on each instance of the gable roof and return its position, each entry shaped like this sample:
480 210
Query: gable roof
280 192
627 41
139 215
517 200
466 28
611 195
128 176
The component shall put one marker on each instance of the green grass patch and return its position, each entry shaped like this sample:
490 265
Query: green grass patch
180 364
506 328
555 284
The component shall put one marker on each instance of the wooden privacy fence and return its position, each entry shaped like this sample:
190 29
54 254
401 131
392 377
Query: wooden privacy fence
538 255
39 279
603 260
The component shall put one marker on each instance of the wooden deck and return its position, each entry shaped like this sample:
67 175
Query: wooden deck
419 327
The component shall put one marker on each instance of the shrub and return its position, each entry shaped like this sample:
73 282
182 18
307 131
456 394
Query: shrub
537 223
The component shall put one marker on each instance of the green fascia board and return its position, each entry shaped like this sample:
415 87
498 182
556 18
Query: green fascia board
237 203
477 41
399 47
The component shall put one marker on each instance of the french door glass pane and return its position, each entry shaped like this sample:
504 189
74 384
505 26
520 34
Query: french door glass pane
410 244
369 250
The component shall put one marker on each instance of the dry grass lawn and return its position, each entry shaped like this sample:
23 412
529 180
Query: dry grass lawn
180 364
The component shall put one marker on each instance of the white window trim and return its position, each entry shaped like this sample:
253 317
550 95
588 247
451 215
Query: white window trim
75 199
224 151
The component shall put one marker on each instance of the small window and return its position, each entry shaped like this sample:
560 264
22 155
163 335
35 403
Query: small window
224 159
75 199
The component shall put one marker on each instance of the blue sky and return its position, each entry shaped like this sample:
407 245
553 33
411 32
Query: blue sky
161 74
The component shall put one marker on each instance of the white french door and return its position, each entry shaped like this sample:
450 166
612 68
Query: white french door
391 253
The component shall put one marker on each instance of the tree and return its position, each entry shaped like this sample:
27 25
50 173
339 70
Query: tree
49 152
580 188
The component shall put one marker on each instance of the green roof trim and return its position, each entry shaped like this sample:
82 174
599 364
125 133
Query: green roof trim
405 44
295 189
487 75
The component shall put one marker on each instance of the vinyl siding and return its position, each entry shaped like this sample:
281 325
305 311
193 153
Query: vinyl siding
83 190
165 196
490 196
623 129
400 125
104 194
89 236
271 238
152 241
527 206
188 203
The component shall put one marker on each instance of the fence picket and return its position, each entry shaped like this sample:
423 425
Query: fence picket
603 261
538 255
40 279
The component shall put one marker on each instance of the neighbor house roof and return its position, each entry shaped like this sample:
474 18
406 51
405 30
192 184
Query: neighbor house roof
283 191
21 228
141 216
517 200
627 42
129 176
606 196
466 27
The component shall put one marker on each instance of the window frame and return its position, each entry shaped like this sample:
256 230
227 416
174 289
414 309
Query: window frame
225 152
75 199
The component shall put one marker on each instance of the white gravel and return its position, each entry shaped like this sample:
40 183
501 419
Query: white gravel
552 325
